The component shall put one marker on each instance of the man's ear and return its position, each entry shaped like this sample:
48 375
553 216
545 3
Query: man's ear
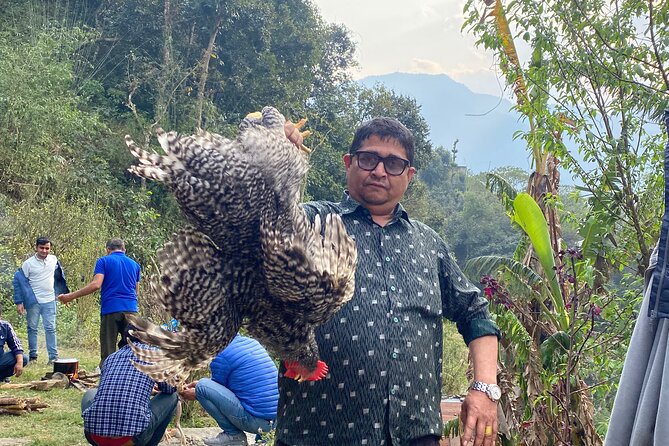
347 160
412 171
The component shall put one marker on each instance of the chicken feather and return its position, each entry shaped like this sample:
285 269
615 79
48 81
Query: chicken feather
250 258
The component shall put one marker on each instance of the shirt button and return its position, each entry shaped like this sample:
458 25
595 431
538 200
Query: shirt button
395 319
394 355
387 259
392 288
392 391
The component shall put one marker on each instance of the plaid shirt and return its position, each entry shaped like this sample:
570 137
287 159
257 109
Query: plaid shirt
121 405
383 347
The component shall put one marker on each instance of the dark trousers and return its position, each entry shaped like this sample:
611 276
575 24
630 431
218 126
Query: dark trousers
7 363
162 411
111 326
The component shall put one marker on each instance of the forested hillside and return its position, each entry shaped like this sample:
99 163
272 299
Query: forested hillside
78 75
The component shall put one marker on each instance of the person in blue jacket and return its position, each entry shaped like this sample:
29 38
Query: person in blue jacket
36 285
242 394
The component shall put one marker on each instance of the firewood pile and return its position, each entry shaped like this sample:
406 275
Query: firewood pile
82 380
57 380
10 405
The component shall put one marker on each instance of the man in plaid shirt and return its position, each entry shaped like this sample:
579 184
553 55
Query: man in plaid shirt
121 412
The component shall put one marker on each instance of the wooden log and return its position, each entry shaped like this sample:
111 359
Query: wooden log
8 400
15 386
18 406
15 406
37 406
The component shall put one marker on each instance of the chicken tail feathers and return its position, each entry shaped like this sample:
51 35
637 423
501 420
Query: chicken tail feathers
171 362
151 166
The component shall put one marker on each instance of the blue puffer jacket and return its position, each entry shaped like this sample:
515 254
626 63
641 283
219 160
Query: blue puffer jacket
247 370
23 293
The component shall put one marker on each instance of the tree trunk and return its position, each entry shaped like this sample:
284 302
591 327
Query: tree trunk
204 74
162 101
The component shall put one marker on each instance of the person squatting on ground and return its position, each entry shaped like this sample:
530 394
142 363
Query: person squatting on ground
13 360
36 284
384 346
242 393
121 410
117 277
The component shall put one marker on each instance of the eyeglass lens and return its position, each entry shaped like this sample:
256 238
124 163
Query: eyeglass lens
393 165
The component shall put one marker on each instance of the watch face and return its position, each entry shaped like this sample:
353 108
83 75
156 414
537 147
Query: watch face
494 392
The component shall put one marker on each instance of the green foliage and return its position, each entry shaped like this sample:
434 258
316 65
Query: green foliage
487 265
40 124
455 362
595 84
554 350
476 223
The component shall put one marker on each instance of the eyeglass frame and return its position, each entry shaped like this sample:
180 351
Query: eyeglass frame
382 159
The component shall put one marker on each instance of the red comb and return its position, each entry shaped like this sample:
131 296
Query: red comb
296 371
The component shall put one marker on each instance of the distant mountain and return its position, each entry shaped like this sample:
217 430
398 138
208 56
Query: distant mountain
483 124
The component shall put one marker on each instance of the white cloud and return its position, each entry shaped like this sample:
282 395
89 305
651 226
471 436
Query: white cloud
426 66
419 36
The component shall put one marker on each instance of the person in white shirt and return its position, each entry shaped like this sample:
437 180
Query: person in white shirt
40 271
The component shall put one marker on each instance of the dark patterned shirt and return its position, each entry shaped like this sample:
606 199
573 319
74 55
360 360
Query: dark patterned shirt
121 406
383 348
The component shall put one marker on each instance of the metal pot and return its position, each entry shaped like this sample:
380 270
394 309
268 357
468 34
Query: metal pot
66 366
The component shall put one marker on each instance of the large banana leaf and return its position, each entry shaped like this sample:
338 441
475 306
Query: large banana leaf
529 217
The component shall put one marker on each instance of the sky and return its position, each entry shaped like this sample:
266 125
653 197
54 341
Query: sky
414 36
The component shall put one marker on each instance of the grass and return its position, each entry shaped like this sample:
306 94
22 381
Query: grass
61 422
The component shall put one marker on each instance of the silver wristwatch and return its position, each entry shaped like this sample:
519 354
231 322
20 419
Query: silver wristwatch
492 390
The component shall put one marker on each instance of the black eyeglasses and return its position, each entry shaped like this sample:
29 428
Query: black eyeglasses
369 160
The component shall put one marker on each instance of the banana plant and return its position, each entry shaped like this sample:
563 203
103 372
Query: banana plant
529 217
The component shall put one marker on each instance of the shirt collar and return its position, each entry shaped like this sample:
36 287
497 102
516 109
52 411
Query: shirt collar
349 206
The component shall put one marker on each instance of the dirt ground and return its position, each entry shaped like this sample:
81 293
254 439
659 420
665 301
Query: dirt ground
195 436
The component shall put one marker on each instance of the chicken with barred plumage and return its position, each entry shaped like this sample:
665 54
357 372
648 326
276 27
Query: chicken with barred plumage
251 258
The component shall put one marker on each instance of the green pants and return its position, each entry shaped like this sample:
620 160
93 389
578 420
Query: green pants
111 326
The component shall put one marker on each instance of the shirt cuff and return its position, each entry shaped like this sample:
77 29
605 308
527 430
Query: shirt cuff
478 328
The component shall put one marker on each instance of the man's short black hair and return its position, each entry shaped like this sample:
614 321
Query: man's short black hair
126 336
41 241
115 244
386 129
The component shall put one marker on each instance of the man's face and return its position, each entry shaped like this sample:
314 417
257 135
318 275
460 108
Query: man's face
376 189
43 250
